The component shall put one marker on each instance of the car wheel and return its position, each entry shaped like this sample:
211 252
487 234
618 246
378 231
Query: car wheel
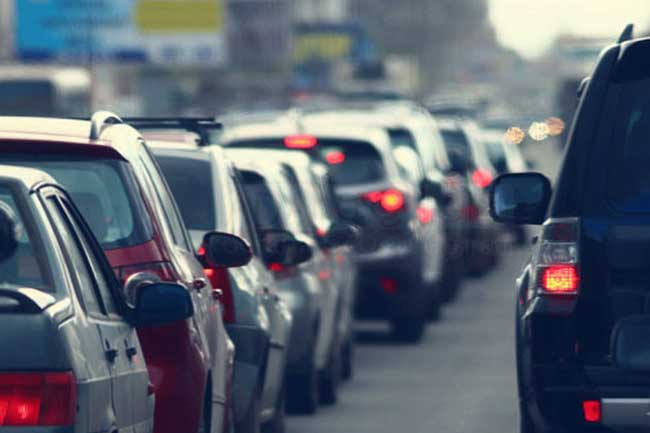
302 389
329 378
251 421
409 329
277 423
347 360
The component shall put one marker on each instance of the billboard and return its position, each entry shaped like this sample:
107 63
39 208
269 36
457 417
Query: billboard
184 32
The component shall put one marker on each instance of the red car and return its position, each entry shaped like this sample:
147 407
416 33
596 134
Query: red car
117 186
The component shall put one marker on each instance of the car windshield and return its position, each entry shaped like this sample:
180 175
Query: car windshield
105 192
190 180
27 266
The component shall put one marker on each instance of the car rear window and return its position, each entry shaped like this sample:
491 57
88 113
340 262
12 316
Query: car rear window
265 211
401 137
455 140
190 180
105 192
27 267
352 162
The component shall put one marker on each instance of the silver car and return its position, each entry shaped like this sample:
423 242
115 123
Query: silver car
77 364
206 186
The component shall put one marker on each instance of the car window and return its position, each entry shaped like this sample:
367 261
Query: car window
105 193
352 162
190 181
300 213
263 207
27 267
249 222
241 227
629 176
78 264
401 137
169 209
101 278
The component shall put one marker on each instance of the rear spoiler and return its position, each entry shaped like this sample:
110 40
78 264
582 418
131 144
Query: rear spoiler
201 126
30 300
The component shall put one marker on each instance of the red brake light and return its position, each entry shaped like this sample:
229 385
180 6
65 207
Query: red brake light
300 142
335 157
388 285
560 279
482 177
591 410
276 267
37 399
390 200
425 214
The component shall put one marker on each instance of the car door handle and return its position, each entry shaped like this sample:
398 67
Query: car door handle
198 283
131 352
217 294
111 354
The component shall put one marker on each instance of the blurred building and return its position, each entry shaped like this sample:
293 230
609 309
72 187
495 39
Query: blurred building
320 10
6 30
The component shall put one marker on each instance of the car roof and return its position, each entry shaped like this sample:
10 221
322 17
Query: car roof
67 132
25 176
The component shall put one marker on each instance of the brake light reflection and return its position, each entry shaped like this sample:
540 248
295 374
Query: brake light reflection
335 157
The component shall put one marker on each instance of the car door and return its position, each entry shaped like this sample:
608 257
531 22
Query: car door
132 400
279 318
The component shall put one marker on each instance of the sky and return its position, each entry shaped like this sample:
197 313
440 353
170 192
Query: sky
530 26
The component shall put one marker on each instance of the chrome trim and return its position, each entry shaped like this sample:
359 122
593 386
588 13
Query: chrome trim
619 413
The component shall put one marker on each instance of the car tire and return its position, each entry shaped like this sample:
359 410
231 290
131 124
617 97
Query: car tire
277 423
328 380
302 389
347 360
251 421
409 329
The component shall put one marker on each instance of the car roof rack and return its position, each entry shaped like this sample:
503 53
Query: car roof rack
100 120
197 125
627 34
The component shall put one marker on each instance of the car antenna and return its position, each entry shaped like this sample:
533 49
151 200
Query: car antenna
627 33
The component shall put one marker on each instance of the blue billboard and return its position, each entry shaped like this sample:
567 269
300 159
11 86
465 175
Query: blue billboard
82 31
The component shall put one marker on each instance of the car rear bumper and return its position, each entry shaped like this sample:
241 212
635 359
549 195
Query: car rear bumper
375 301
251 345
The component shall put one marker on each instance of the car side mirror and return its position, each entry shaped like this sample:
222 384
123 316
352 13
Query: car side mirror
520 198
630 344
160 304
435 190
292 253
224 250
340 233
8 241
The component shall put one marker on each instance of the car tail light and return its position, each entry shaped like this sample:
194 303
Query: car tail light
425 214
38 399
281 271
300 142
390 200
470 212
591 409
482 177
220 281
164 270
335 157
388 285
556 262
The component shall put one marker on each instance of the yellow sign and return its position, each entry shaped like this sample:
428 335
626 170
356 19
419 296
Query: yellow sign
323 46
179 16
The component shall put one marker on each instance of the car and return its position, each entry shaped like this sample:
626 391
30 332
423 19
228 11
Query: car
306 289
80 366
207 187
582 297
468 158
397 254
110 174
412 129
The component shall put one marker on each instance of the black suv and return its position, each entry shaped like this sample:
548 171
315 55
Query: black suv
589 271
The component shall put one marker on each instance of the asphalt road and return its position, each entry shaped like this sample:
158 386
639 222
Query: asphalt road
460 379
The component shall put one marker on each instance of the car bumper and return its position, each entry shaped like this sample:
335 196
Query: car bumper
251 349
375 301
